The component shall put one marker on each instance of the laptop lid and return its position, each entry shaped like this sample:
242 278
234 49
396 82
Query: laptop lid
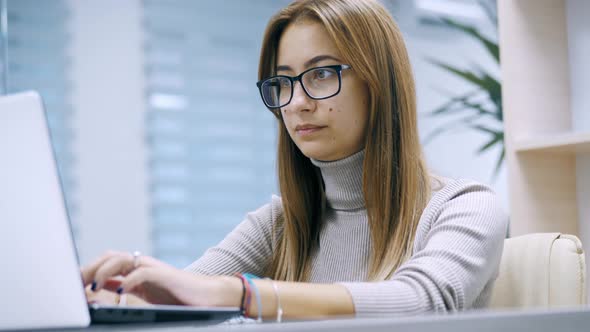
40 283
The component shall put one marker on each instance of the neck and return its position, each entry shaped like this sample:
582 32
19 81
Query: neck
343 181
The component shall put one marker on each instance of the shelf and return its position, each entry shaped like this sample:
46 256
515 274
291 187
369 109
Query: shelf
569 143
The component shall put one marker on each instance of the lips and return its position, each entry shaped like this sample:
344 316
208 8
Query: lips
308 127
306 130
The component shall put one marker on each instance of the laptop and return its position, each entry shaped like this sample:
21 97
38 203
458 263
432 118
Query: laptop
40 280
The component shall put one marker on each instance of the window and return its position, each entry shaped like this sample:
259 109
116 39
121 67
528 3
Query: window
211 140
36 58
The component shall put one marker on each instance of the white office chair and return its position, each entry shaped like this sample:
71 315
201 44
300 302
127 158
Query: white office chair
541 270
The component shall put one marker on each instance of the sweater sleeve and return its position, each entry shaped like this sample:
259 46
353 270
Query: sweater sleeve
457 253
246 249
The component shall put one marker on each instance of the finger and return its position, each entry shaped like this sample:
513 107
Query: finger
89 271
152 262
137 278
144 260
112 284
156 284
101 297
119 265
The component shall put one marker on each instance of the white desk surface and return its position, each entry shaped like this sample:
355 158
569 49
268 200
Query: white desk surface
537 321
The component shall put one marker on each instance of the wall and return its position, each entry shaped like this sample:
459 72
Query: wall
108 81
109 122
579 53
452 154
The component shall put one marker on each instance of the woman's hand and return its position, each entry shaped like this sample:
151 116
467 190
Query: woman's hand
106 297
101 297
159 283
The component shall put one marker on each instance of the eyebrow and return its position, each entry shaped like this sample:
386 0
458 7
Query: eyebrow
310 62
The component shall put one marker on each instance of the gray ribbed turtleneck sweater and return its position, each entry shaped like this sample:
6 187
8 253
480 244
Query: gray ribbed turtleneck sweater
455 259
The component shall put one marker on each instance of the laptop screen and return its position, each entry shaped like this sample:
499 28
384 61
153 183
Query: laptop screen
41 284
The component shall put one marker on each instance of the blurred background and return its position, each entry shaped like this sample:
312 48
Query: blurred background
162 142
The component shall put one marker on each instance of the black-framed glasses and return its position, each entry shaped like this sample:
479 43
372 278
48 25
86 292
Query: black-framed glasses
318 83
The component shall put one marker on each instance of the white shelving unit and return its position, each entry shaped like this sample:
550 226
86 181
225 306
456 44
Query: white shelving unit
568 143
544 49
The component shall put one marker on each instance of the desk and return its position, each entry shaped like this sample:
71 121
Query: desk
537 321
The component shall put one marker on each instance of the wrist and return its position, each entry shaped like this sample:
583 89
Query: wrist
230 291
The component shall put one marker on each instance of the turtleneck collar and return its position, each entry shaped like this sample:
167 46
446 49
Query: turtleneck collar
343 180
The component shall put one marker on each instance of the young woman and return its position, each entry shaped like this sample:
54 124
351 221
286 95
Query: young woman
361 227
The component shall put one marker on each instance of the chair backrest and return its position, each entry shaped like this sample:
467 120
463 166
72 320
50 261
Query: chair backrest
541 270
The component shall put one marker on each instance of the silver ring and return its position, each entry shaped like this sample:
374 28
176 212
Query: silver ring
136 255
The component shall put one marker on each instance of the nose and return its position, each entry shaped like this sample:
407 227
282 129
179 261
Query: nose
300 100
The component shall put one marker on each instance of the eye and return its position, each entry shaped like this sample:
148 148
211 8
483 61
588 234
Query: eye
285 83
322 74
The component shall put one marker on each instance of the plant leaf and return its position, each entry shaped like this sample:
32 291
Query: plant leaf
452 101
465 121
491 46
444 128
486 82
494 91
490 13
448 107
498 138
499 162
461 103
487 130
481 110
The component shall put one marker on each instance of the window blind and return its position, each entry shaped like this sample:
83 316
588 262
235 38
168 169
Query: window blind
37 60
211 141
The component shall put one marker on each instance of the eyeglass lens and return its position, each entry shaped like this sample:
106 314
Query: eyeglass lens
318 83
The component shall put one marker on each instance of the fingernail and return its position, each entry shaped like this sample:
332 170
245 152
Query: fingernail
93 287
120 290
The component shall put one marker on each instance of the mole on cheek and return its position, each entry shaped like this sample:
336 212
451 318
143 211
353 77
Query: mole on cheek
330 110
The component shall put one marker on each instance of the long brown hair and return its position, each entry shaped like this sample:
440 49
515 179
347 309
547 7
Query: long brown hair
395 179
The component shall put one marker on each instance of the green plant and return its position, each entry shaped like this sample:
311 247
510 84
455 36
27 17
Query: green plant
478 105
